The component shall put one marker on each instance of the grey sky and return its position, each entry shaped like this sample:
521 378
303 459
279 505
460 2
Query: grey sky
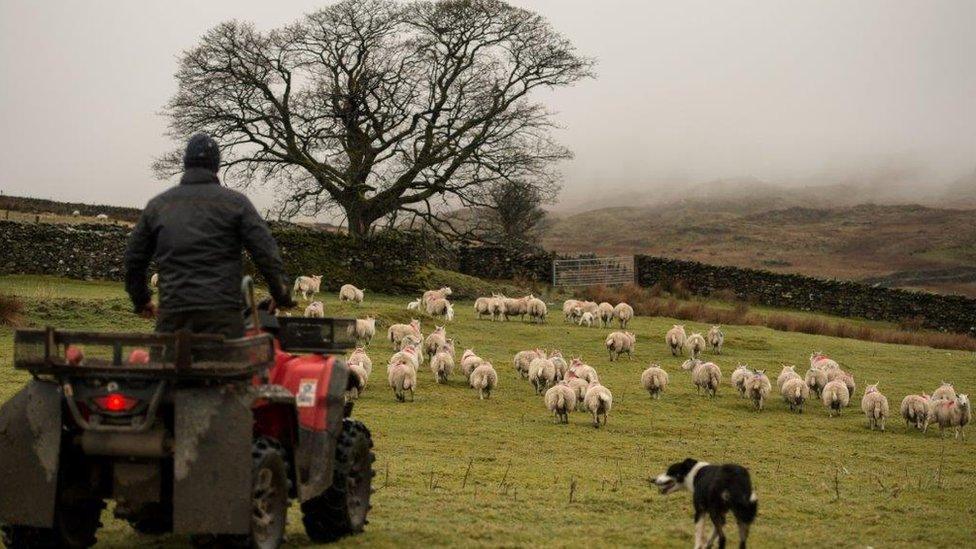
687 91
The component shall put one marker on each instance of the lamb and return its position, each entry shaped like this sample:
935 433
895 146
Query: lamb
469 361
482 306
542 374
605 314
402 378
360 357
536 309
586 318
618 343
579 387
348 292
397 332
315 309
915 410
823 362
414 305
441 307
816 379
577 369
945 392
484 379
706 376
623 312
654 380
738 378
408 355
835 396
559 363
436 340
758 388
431 295
955 413
560 400
570 307
598 401
365 329
786 374
695 345
795 392
875 407
358 377
441 365
675 339
716 339
523 359
307 285
841 375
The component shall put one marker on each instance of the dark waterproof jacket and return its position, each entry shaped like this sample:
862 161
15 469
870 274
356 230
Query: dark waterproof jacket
196 232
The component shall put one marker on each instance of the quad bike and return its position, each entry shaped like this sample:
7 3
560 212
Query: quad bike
187 433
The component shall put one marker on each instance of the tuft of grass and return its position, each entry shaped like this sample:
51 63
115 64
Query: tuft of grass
11 310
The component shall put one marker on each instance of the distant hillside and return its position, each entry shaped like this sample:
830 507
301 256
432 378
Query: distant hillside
41 206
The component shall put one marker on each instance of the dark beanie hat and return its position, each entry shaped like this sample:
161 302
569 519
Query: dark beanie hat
202 152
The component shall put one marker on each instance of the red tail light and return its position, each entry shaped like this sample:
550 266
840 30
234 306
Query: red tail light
116 402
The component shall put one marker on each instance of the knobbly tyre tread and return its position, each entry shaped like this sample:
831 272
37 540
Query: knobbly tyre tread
29 537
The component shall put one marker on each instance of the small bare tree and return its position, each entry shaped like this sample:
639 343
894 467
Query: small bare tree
377 107
514 213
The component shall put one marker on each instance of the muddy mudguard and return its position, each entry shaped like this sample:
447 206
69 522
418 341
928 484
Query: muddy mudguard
319 426
212 461
30 444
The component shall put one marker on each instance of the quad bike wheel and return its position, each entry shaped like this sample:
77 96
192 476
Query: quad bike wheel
75 525
269 501
153 520
342 509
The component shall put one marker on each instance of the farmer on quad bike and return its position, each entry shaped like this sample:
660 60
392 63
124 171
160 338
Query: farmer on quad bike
196 232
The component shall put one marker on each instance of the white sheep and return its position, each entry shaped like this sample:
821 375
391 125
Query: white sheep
945 392
598 401
623 312
515 306
823 362
365 329
605 314
484 379
586 318
469 361
559 363
542 374
955 413
408 355
402 378
536 309
397 332
738 378
414 305
583 371
758 388
358 376
441 365
579 387
315 309
786 374
348 292
706 376
435 340
875 407
590 307
360 357
915 409
654 380
101 216
815 379
835 396
497 307
618 343
795 392
441 307
695 344
835 374
76 213
523 359
570 306
154 281
482 306
675 339
431 295
307 285
560 400
716 339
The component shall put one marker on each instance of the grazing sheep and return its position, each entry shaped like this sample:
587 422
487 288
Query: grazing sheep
76 213
758 388
835 396
945 392
431 295
101 216
154 280
441 307
590 307
497 307
695 345
307 285
586 318
484 378
579 387
523 359
955 413
397 332
365 329
570 306
716 339
469 361
542 374
408 355
402 378
654 380
706 376
690 364
315 309
348 292
795 392
875 407
786 374
604 314
823 362
560 400
559 363
435 340
618 343
623 312
838 374
411 340
414 305
536 309
675 339
358 377
515 306
360 357
915 409
738 378
598 401
577 369
441 365
482 306
816 379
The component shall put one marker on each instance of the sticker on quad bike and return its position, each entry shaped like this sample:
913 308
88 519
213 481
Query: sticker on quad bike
306 393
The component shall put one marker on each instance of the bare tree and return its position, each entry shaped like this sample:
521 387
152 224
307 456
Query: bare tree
377 107
515 213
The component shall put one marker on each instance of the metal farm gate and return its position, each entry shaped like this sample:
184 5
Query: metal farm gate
608 271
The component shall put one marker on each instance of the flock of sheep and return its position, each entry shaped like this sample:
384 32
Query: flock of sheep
573 385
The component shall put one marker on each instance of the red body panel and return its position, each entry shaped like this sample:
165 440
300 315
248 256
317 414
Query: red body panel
307 377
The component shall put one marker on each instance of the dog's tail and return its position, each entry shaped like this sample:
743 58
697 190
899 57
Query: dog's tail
746 508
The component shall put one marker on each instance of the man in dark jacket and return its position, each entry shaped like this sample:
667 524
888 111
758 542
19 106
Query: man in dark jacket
196 232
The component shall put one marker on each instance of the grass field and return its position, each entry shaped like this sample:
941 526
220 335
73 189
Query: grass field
456 471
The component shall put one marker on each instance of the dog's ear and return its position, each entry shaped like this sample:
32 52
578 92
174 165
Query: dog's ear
689 463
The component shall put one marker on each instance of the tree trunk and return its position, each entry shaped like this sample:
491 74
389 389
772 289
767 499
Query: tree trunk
359 220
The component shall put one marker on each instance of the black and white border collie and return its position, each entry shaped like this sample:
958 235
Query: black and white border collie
716 490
